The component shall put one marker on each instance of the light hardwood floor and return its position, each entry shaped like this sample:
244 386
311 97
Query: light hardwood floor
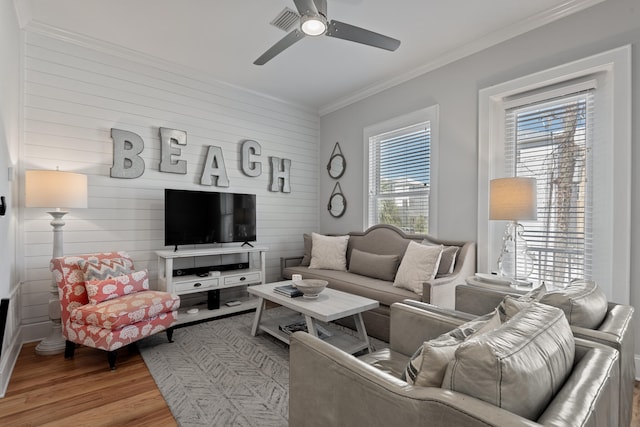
51 391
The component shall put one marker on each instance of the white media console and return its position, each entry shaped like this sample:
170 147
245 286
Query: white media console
213 282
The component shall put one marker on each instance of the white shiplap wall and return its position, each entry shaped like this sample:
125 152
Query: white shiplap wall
77 90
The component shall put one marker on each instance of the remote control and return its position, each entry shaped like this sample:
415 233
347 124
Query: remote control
232 303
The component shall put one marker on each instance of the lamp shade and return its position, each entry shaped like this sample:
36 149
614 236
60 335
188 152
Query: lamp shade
513 199
55 189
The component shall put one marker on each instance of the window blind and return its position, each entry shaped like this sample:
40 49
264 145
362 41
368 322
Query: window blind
551 141
399 178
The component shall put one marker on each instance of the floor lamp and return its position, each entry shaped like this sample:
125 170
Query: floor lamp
513 199
58 190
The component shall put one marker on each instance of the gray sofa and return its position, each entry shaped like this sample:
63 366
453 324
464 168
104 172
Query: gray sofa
616 331
387 240
328 387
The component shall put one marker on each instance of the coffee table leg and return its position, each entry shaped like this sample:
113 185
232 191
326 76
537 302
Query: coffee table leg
258 316
362 331
311 326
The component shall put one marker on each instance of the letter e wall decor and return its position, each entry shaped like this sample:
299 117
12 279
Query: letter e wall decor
170 142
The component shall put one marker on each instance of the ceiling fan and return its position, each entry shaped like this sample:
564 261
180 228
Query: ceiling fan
313 22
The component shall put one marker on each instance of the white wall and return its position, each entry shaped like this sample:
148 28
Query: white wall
455 88
9 143
76 91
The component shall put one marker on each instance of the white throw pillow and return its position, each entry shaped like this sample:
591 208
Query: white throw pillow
419 264
329 252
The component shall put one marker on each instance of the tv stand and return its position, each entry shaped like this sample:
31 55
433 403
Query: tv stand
247 244
218 287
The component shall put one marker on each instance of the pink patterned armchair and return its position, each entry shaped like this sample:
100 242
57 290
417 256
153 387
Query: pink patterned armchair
106 304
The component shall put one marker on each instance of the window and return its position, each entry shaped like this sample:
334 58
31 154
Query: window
570 128
400 173
550 140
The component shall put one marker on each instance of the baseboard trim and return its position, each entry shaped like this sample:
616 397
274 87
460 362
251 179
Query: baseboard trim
8 362
35 331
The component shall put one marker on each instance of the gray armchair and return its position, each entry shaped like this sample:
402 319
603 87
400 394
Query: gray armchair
615 331
328 387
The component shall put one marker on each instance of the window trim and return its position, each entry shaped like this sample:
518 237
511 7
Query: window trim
429 114
614 267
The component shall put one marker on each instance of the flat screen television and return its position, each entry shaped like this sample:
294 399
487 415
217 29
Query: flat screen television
202 217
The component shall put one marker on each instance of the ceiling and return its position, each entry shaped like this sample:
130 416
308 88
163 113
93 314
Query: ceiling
222 38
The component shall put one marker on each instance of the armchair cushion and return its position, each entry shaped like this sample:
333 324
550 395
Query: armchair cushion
511 305
429 363
125 310
583 302
519 366
102 290
419 264
97 268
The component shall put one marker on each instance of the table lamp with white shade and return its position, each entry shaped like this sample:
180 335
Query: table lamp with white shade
513 199
57 190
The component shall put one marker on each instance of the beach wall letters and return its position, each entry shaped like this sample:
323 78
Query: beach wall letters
128 164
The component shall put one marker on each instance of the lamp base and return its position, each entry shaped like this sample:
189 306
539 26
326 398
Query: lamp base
53 344
514 261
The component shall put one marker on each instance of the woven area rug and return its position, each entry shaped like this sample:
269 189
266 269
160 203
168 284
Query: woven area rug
216 374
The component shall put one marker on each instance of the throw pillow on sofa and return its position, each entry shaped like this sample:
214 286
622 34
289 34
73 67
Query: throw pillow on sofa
429 363
520 366
381 267
448 259
329 252
419 264
306 255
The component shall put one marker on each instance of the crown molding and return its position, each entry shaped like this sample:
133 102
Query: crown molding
538 20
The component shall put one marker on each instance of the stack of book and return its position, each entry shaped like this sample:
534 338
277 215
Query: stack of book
288 290
302 326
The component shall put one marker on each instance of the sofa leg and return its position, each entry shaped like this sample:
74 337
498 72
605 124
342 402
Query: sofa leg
69 349
170 334
111 358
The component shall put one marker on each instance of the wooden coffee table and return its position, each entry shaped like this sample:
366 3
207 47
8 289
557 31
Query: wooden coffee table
330 305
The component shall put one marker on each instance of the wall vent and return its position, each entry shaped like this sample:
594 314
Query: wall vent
285 19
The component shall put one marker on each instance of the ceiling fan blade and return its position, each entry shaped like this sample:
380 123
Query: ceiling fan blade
306 7
281 45
360 35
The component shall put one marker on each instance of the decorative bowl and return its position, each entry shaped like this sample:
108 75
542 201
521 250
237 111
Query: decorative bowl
310 287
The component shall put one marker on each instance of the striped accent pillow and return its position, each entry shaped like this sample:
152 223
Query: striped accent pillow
101 269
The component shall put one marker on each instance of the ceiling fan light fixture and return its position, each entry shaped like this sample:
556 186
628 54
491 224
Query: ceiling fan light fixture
313 25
